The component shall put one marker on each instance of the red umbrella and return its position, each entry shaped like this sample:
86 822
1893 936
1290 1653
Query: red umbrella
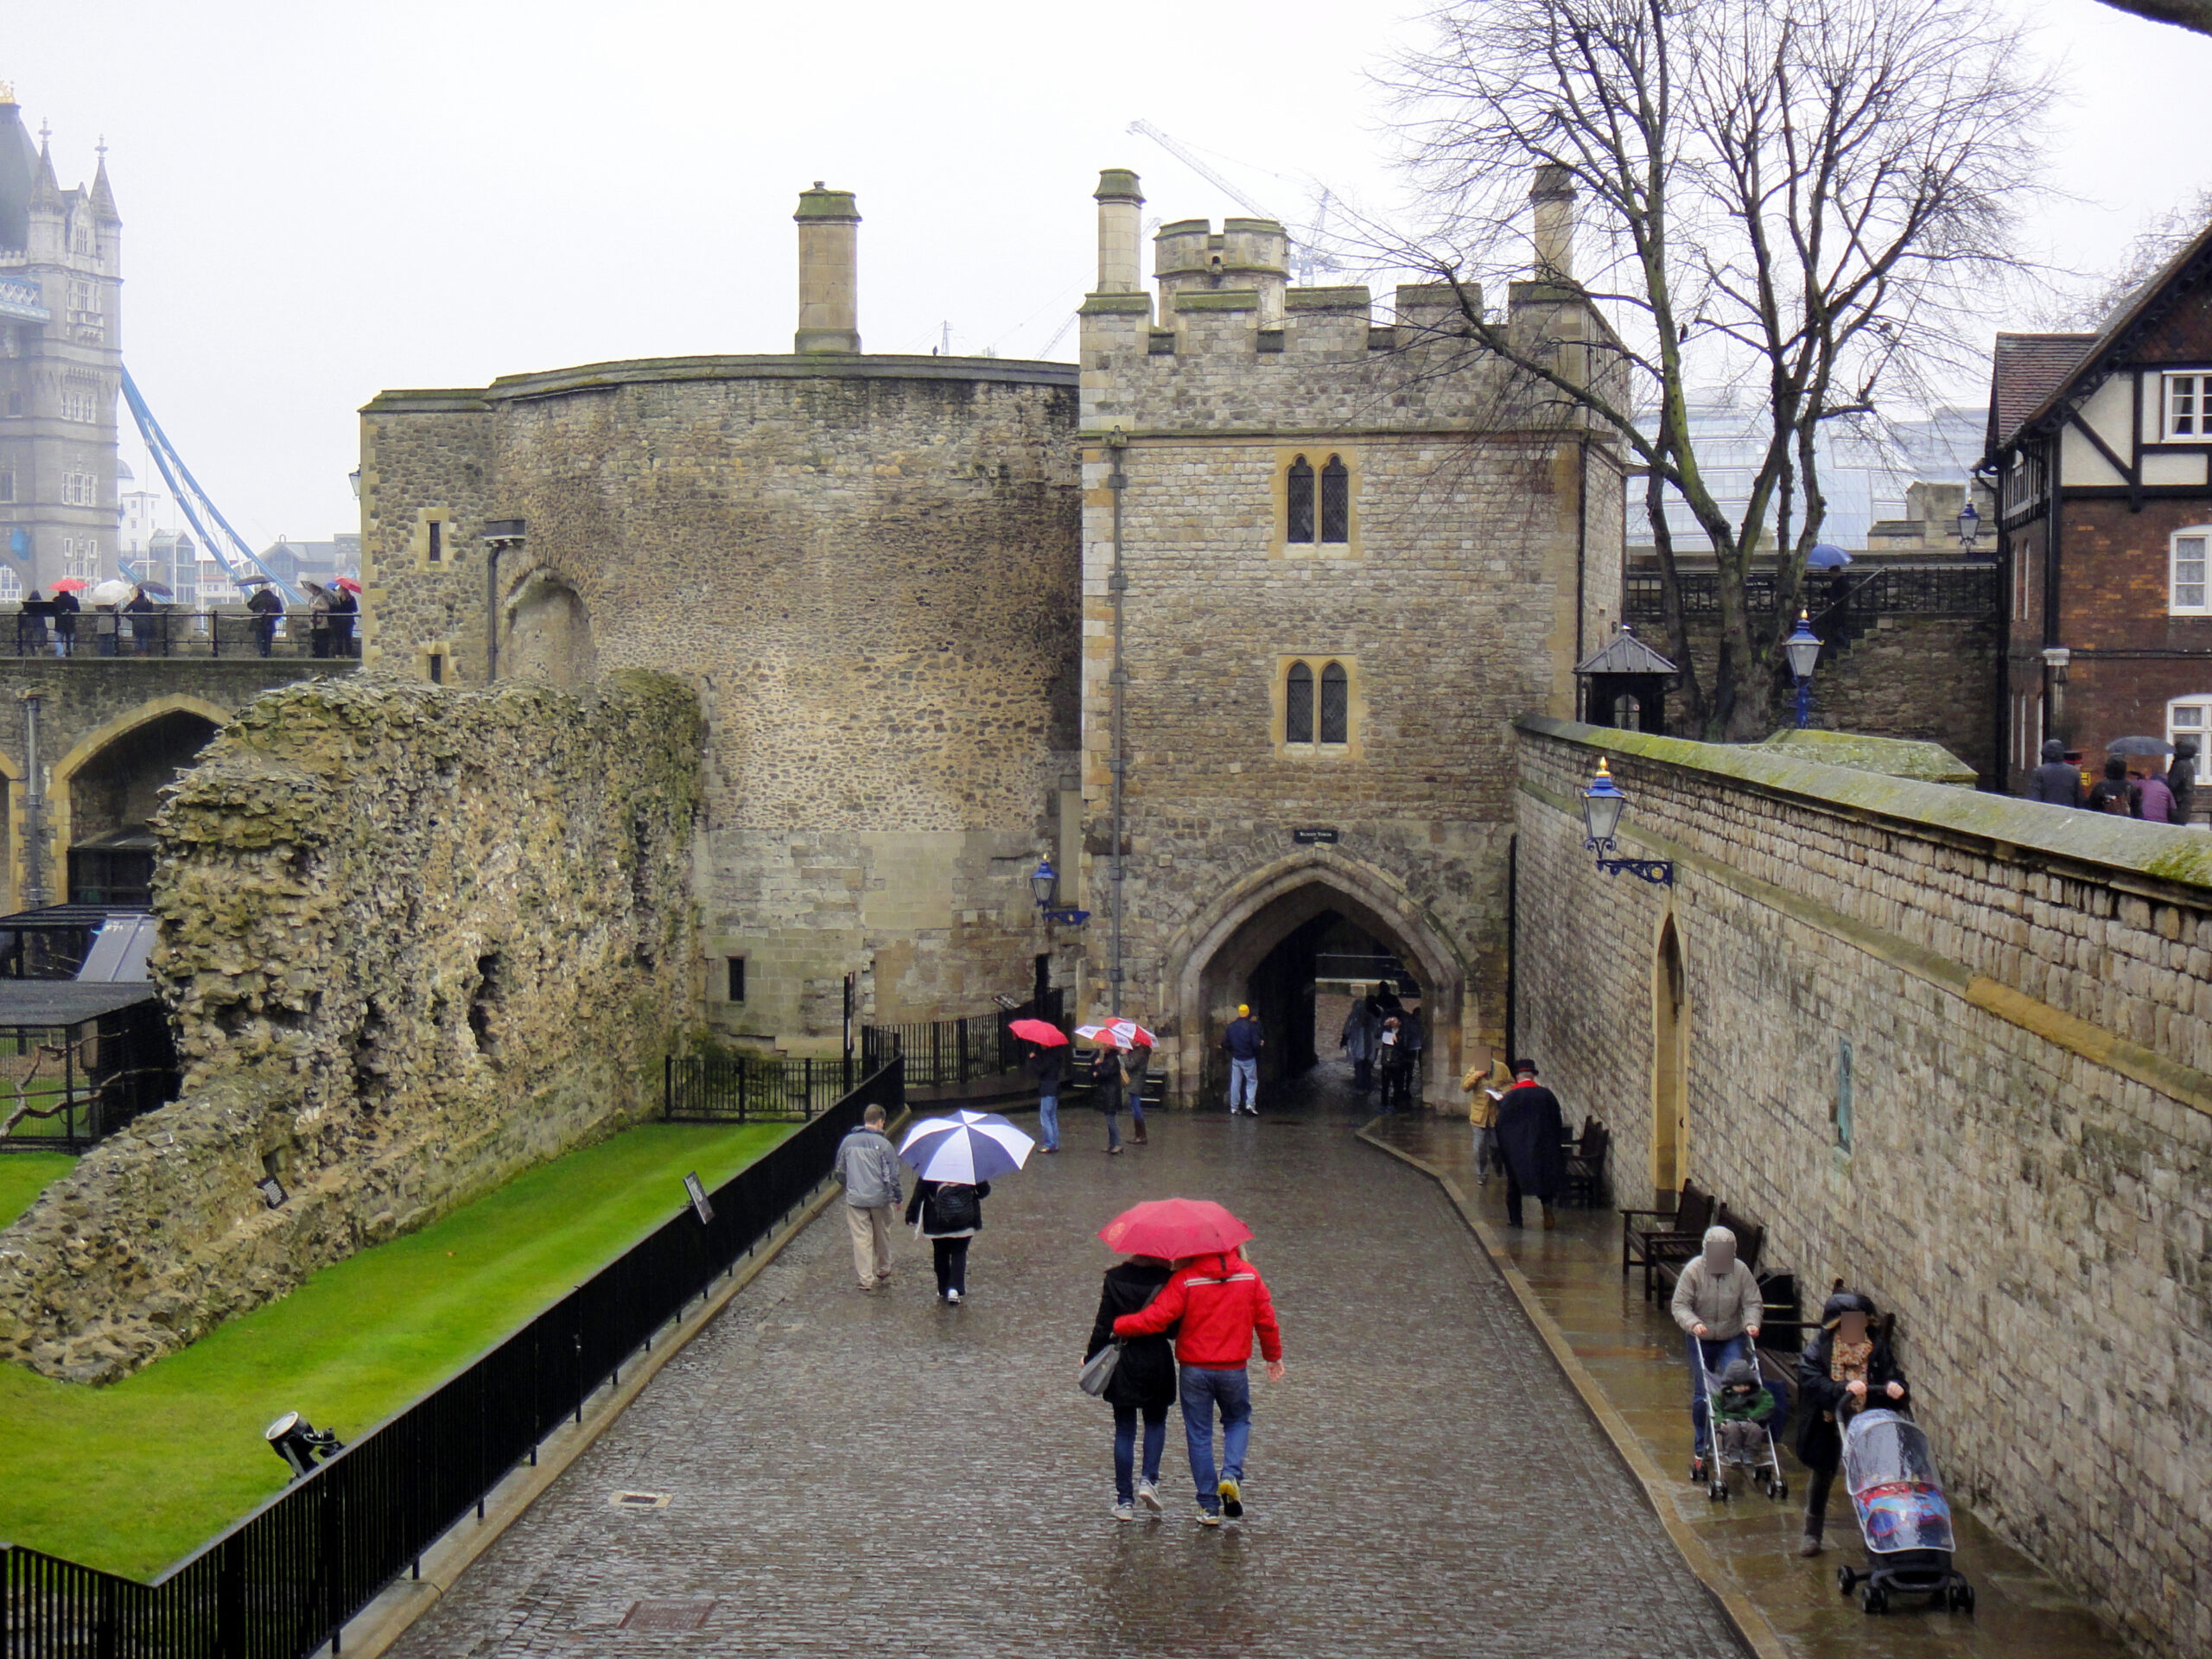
1040 1030
71 585
348 584
1174 1227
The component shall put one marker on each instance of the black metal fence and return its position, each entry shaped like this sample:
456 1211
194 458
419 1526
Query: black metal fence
284 1580
754 1089
172 632
1888 590
940 1051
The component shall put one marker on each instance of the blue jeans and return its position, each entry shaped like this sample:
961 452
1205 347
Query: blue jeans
1719 1352
1202 1390
1244 1082
1125 1448
1048 1120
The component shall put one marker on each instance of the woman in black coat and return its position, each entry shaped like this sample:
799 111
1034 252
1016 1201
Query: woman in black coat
1106 1094
951 1213
1143 1381
1847 1367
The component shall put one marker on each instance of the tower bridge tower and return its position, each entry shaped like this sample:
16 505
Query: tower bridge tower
61 365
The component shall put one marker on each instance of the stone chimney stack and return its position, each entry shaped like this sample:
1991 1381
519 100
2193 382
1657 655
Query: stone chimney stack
1121 267
1551 194
829 284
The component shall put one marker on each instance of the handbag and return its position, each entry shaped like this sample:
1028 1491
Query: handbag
1098 1371
958 1208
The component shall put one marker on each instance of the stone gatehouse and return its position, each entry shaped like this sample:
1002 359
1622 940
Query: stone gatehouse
893 581
1950 1047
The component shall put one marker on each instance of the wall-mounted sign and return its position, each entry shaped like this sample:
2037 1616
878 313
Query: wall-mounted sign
1314 837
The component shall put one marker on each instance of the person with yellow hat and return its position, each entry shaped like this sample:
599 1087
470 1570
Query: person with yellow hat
1243 1040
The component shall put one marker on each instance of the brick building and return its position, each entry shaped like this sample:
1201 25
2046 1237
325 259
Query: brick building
60 366
2101 443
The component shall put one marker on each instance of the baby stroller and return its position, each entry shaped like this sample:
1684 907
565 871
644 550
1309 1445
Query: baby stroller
1890 1473
1736 1442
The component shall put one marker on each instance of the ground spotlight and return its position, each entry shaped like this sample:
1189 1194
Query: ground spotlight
297 1440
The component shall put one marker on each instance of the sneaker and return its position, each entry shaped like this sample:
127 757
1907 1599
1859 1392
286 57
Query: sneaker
1206 1518
1148 1495
1232 1498
952 1296
1125 1512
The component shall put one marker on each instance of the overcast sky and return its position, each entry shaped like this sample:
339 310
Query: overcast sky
320 201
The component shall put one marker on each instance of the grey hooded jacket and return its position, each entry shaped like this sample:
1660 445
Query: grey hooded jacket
868 1169
1724 1303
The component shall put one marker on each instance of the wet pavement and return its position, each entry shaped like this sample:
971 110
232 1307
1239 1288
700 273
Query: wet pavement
874 1475
1634 1355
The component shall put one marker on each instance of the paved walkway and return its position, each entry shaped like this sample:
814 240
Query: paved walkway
1634 1353
873 1475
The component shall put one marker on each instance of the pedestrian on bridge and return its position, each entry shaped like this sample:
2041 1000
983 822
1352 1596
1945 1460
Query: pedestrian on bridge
1217 1304
867 1168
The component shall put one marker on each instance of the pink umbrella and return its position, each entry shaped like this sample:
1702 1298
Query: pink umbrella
1041 1031
71 585
348 584
1118 1033
1170 1228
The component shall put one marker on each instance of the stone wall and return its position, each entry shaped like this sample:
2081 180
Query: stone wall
2021 998
414 941
866 567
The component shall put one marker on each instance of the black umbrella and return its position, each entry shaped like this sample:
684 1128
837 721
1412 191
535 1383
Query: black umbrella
2138 746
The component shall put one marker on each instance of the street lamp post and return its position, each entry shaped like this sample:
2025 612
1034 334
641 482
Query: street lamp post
1602 806
1969 526
1804 650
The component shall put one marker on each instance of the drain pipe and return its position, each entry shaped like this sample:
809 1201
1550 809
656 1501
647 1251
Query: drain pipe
33 894
1117 586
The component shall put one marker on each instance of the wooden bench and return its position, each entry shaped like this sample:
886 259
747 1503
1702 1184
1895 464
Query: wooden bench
1665 1256
1692 1213
1585 1165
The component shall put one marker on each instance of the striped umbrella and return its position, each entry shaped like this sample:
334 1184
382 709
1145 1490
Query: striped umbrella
1118 1034
968 1146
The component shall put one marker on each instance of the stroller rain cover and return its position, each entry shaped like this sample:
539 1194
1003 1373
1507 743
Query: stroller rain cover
1890 1472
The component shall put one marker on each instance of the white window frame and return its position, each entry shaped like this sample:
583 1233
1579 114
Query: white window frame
2202 533
2196 386
2202 731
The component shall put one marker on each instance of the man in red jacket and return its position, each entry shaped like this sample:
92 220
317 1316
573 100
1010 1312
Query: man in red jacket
1221 1302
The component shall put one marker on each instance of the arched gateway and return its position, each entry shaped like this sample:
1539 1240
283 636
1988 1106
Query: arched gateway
1258 940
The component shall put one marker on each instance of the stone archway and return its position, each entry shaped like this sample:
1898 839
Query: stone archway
1239 929
549 635
106 789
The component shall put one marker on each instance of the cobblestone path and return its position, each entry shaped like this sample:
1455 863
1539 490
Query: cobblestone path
874 1475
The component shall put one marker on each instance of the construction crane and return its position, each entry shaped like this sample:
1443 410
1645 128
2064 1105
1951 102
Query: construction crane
1305 254
198 510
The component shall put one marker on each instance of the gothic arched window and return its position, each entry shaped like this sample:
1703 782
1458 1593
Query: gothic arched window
1336 705
1299 500
1336 501
1298 705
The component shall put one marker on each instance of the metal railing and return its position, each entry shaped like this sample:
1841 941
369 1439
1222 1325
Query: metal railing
754 1089
940 1051
285 1579
173 632
1901 590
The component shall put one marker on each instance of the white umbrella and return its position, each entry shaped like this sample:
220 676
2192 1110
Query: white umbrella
110 592
968 1147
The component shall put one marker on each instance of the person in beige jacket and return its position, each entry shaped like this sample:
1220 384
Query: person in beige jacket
1483 1090
1717 1303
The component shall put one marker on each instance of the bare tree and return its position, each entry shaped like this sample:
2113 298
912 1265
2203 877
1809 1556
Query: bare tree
1808 198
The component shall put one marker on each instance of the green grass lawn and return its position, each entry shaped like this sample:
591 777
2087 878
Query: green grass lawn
23 1175
133 1475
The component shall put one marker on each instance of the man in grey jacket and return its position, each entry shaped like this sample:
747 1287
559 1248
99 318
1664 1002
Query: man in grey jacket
1717 1303
869 1168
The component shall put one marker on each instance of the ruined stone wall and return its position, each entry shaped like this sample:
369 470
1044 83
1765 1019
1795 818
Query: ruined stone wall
414 941
1452 605
2023 997
867 568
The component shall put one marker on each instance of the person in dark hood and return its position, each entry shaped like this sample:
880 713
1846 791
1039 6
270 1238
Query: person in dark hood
1529 1134
1847 1367
2181 777
2114 792
2055 782
1143 1382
